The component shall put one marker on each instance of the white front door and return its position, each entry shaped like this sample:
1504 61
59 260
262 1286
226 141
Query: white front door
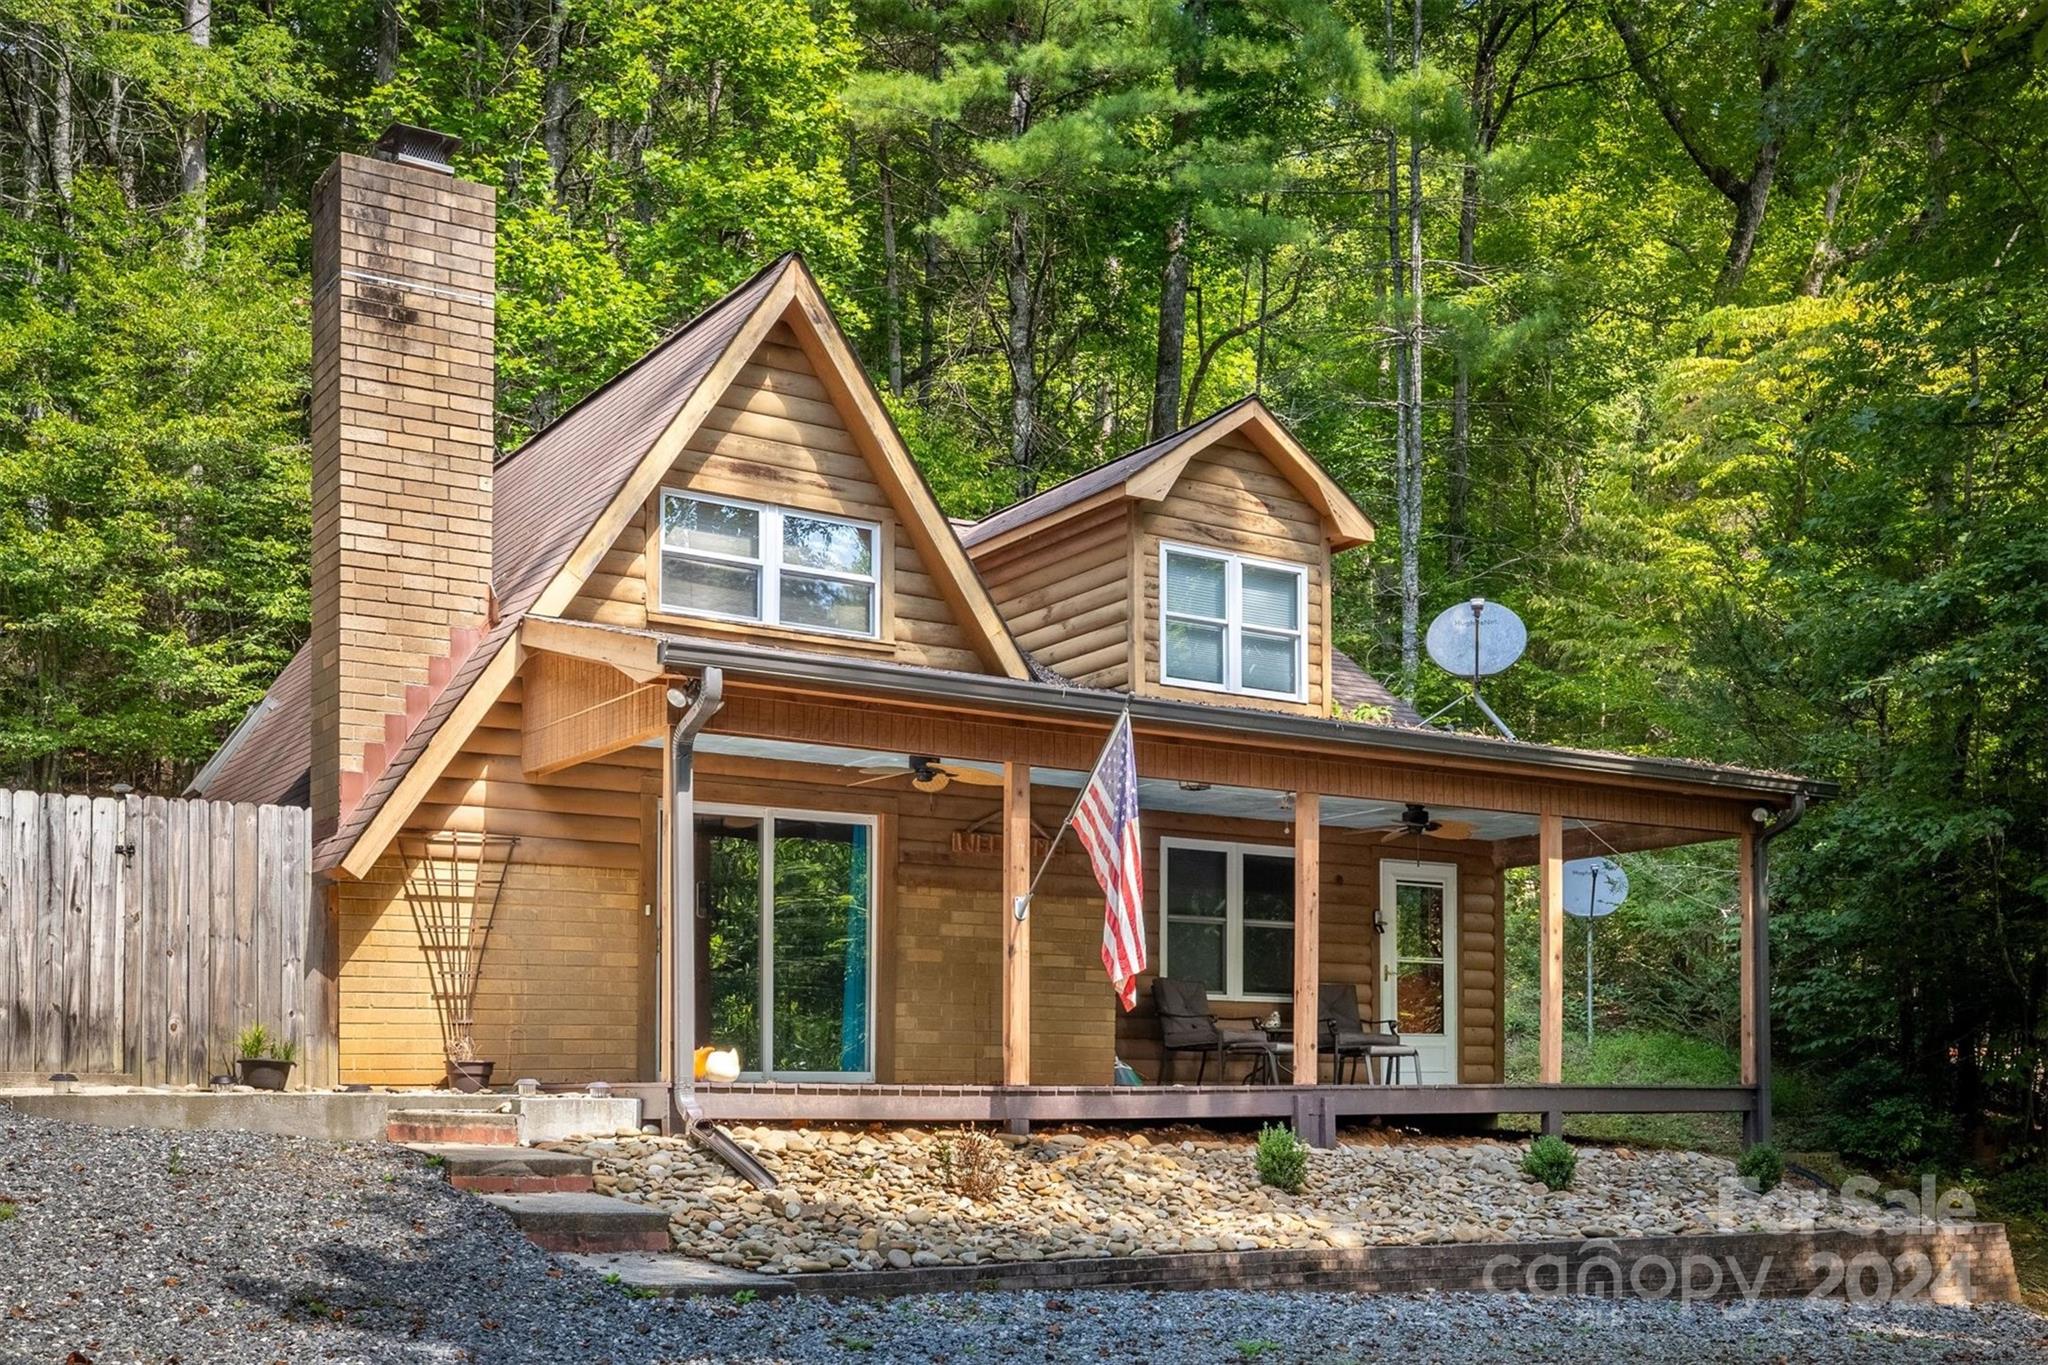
1419 963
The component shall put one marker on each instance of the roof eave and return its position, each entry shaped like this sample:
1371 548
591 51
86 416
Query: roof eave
1043 698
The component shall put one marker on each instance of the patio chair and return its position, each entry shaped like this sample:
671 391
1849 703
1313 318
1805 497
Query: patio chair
1343 1035
1186 1024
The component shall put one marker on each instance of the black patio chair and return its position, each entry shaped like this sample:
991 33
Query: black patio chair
1342 1034
1187 1024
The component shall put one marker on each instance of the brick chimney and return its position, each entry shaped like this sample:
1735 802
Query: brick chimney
403 387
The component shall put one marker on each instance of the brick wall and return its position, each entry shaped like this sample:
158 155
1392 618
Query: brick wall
403 387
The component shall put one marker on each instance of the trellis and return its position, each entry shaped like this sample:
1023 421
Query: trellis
452 883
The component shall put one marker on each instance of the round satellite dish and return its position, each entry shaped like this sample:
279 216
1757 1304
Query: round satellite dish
1593 887
1476 639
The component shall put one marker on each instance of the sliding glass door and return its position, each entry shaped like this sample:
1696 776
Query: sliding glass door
786 969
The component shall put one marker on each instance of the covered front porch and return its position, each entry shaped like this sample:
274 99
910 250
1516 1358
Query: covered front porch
901 988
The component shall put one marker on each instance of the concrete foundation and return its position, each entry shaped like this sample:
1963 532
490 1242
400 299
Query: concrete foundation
336 1116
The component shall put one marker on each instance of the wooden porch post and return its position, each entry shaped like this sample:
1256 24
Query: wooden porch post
1550 913
1745 883
1016 932
1308 930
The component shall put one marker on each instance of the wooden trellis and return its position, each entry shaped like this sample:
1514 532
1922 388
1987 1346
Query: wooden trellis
452 883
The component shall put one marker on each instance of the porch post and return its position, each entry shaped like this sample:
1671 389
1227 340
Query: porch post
1016 931
1550 913
1745 883
1308 929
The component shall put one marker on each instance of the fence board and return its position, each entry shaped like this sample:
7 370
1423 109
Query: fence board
139 935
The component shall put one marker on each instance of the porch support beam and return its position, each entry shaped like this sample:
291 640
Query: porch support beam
1550 913
1016 927
1745 882
1308 931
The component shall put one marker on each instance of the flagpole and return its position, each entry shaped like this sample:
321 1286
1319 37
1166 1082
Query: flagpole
1022 905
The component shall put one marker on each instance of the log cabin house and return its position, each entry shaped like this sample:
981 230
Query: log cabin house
752 745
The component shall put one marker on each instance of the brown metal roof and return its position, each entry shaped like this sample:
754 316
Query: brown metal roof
1086 485
1351 686
546 495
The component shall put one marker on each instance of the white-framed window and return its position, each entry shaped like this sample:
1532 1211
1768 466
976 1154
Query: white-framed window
745 561
1229 916
1231 623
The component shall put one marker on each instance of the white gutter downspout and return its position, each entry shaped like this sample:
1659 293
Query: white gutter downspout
698 703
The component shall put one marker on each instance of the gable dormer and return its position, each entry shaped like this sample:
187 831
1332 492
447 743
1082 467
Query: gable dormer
1197 567
782 509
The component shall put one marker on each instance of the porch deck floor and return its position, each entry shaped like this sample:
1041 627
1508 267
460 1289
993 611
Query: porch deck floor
1321 1105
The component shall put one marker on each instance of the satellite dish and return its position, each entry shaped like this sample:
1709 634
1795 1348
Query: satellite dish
1475 640
1593 887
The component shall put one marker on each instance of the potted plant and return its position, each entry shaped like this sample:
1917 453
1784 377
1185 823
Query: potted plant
466 1071
264 1059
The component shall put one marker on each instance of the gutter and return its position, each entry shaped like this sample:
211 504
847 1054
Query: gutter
1759 1117
860 677
699 703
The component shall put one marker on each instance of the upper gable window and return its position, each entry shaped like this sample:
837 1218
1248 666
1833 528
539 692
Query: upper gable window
743 561
1233 624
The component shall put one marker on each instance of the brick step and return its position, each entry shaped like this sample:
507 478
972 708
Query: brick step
452 1127
586 1223
510 1170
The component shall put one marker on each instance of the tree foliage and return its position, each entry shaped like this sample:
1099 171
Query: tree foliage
1730 332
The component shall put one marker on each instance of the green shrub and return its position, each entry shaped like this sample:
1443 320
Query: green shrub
257 1041
1552 1161
1763 1166
1283 1158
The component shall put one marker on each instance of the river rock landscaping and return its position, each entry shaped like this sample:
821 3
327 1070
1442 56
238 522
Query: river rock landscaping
145 1246
869 1199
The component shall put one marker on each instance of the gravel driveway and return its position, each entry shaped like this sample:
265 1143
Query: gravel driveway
203 1247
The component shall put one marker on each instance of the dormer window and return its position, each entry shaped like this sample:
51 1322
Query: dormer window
743 561
1231 623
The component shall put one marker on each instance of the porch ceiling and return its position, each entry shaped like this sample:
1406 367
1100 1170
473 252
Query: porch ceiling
1237 803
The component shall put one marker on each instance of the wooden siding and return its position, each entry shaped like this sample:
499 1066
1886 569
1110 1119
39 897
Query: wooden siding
1349 945
571 935
1066 594
1231 498
777 437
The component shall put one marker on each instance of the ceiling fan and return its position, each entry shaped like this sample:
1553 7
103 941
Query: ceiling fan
1415 823
928 774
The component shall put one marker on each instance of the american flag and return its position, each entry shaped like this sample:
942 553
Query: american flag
1106 819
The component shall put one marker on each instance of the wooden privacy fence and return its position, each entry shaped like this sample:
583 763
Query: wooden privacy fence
139 935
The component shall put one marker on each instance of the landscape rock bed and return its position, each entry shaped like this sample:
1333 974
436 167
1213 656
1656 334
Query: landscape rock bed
855 1199
137 1245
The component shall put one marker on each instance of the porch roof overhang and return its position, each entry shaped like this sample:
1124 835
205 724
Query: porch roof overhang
1065 701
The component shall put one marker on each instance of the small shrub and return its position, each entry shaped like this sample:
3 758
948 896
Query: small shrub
1763 1166
257 1041
743 1297
1551 1160
971 1164
8 1210
1254 1348
1282 1158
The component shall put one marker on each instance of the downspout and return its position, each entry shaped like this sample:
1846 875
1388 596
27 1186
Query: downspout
698 703
1760 1117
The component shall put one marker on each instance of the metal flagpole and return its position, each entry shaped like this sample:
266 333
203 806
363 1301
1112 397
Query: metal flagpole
1592 902
1021 907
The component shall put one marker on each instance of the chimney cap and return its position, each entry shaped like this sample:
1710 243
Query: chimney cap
409 145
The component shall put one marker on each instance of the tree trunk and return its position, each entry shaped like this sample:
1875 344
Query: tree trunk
1018 348
1173 324
1749 216
387 41
1826 255
554 126
1411 501
62 152
892 275
192 147
1458 482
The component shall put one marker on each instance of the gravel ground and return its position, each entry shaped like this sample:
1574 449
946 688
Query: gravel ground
203 1247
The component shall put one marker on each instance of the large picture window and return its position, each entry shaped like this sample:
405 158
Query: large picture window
744 561
1232 624
1229 917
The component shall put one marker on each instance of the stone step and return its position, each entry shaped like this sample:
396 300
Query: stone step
452 1127
586 1222
510 1170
